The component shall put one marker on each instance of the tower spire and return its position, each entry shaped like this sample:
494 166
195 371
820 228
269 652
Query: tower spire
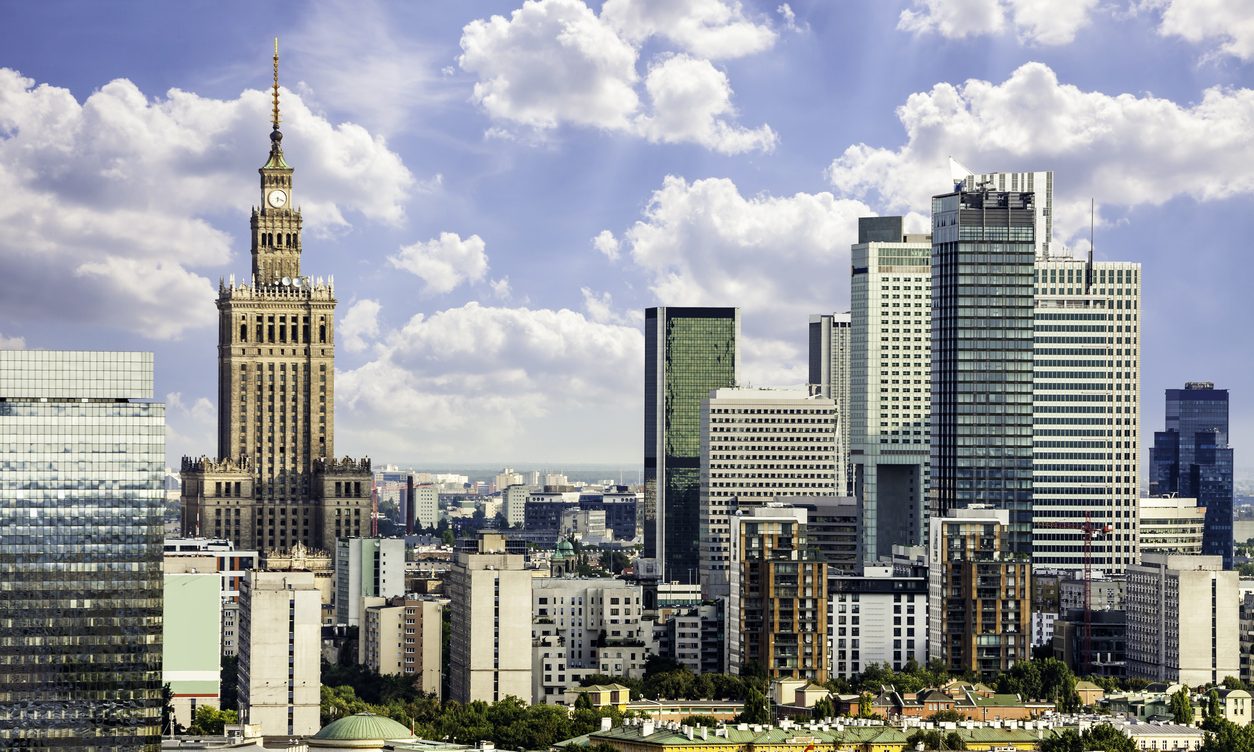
276 136
275 120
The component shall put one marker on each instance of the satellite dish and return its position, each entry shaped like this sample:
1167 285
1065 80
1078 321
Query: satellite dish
295 281
287 281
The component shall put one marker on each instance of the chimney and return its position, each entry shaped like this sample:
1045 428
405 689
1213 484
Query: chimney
607 724
646 728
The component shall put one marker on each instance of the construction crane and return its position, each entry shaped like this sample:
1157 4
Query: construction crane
1090 530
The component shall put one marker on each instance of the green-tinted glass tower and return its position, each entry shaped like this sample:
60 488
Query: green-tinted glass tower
688 353
983 252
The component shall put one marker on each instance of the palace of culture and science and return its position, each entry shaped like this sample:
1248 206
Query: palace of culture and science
275 482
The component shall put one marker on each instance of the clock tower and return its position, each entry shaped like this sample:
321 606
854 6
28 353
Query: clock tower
275 481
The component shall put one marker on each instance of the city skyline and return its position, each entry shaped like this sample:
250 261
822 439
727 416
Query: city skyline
495 247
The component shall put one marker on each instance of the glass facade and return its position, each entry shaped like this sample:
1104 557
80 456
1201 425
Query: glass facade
689 352
1192 459
983 250
81 469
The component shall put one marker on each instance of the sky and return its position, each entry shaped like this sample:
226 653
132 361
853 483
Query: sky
500 188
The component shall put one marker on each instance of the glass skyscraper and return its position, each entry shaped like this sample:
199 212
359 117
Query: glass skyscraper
983 249
82 452
688 353
1192 459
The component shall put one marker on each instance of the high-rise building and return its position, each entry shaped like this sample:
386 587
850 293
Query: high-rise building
688 353
890 382
1170 525
1086 389
514 504
829 371
983 247
1183 619
280 652
777 611
1040 183
366 568
833 530
759 445
1192 458
82 447
191 656
979 593
877 617
489 595
402 636
275 480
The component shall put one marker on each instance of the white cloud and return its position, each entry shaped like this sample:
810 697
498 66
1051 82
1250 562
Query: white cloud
1125 150
191 425
500 288
714 29
444 263
495 382
789 18
359 325
607 244
12 343
105 200
1046 22
554 62
1230 23
691 102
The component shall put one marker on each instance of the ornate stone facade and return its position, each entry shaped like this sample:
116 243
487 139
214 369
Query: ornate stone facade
272 486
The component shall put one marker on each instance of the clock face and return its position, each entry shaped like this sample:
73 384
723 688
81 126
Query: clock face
277 198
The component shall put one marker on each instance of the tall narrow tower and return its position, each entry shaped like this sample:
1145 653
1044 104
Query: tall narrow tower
275 482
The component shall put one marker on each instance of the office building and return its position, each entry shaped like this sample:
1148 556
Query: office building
489 593
688 353
1183 619
890 382
621 507
82 445
1192 458
1170 525
829 372
1105 593
280 671
544 509
402 636
983 246
1106 644
1040 183
878 617
514 504
366 568
275 480
1085 407
979 593
424 498
758 445
833 530
191 658
777 610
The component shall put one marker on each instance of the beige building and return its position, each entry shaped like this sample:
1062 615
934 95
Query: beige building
1183 619
759 445
300 559
489 595
402 635
280 673
1170 525
274 481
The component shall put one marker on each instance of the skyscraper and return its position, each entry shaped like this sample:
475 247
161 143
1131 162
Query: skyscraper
829 371
1040 183
890 382
688 353
275 481
759 445
983 247
280 669
82 448
1085 406
1192 458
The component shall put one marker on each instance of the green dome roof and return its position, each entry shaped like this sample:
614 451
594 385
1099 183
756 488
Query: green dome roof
363 730
564 546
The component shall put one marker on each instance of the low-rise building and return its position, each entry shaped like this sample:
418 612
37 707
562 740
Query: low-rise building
403 635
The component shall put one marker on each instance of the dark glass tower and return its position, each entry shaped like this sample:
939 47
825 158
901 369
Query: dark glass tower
1192 459
82 450
983 249
688 352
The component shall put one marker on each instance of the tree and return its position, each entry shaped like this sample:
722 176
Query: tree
933 739
1229 737
825 708
866 709
1102 737
1232 682
583 702
946 716
1214 711
209 721
1182 707
230 682
700 720
756 710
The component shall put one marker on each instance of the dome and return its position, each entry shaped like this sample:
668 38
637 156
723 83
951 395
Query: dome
564 550
360 731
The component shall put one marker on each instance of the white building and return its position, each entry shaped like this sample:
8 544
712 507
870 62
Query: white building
230 566
759 445
280 674
489 595
1183 619
1170 525
426 503
583 627
514 503
191 655
1086 385
402 635
366 568
890 383
879 617
1039 183
829 371
506 478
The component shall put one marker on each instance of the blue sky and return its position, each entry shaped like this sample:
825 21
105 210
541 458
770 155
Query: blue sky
500 188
